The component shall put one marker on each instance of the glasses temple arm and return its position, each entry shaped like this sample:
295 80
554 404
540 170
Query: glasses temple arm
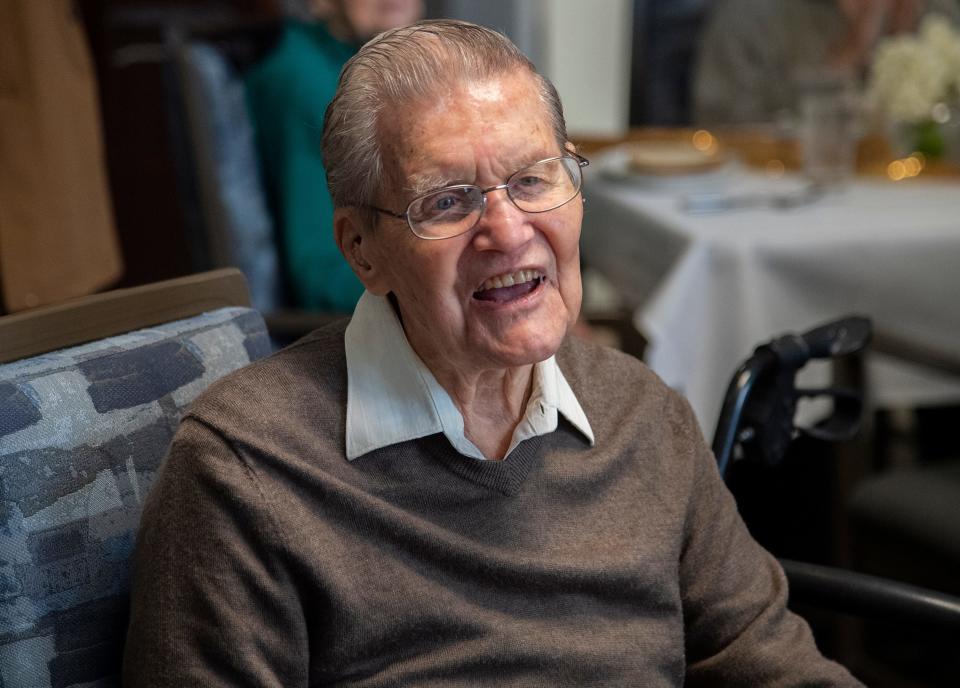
399 216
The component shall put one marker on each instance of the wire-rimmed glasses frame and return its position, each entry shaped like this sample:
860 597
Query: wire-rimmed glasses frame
468 202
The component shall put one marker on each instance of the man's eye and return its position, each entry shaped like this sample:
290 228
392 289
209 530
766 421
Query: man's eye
530 180
445 202
529 186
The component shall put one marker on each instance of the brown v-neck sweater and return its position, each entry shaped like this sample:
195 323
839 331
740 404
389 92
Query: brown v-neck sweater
265 558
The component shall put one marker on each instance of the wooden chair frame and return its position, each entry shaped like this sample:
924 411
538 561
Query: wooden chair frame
89 318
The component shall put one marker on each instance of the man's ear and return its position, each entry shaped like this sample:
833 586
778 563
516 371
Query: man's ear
358 246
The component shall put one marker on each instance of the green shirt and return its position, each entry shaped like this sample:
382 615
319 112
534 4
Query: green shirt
287 94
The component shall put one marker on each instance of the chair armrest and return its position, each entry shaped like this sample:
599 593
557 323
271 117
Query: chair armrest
870 597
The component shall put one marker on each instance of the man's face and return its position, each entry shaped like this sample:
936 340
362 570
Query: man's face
478 134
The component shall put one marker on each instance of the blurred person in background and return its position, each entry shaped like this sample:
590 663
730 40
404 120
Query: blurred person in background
287 93
756 56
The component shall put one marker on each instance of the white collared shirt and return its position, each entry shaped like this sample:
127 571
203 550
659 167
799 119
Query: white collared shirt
393 397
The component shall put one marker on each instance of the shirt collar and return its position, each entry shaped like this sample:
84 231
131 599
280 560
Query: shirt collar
393 397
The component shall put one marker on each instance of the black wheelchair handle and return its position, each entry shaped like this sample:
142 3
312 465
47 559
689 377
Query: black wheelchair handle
838 338
841 425
767 370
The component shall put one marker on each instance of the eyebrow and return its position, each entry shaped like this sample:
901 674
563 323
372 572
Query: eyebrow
420 184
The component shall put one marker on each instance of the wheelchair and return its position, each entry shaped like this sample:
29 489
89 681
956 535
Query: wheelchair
757 425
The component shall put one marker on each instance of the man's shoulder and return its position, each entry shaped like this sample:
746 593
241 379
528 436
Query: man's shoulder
604 378
584 361
311 371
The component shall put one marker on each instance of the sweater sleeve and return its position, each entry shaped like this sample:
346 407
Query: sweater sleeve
213 602
738 628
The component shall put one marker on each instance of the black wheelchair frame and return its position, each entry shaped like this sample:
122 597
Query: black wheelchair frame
757 423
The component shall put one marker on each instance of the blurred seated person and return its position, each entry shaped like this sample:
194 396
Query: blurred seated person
756 54
448 489
287 94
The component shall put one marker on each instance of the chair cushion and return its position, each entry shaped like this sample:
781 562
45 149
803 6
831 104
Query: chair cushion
82 433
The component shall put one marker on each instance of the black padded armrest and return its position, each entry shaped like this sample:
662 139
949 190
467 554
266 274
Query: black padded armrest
870 597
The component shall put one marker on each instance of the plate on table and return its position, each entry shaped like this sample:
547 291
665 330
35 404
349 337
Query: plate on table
666 164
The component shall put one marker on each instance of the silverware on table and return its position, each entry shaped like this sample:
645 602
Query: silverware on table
717 202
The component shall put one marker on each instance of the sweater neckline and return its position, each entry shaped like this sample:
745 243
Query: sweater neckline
506 476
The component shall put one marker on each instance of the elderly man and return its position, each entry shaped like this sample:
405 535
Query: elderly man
448 490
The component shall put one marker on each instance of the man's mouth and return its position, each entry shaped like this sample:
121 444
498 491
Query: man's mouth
503 288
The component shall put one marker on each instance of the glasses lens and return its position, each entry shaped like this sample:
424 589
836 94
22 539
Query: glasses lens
446 213
545 185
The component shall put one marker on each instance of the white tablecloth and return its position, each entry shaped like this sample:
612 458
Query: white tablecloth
707 288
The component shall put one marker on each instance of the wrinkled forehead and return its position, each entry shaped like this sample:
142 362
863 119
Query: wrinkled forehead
425 140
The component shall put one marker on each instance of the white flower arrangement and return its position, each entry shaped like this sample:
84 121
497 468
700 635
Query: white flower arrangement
916 78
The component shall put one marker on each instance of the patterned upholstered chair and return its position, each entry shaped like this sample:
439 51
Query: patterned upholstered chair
82 432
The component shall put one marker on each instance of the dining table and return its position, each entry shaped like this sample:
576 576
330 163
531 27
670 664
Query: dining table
714 261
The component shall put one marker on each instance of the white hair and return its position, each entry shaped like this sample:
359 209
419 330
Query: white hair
397 67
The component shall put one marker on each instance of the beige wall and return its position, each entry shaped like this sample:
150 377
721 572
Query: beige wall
583 46
585 51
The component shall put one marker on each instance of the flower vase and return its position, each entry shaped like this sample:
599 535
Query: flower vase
937 139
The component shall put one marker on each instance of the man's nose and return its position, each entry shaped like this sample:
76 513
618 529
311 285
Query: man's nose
503 225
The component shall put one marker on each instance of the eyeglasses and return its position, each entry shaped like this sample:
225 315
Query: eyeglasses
454 210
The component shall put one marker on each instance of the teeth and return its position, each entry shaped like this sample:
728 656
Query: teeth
518 277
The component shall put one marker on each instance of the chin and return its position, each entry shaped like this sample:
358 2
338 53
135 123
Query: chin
532 345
